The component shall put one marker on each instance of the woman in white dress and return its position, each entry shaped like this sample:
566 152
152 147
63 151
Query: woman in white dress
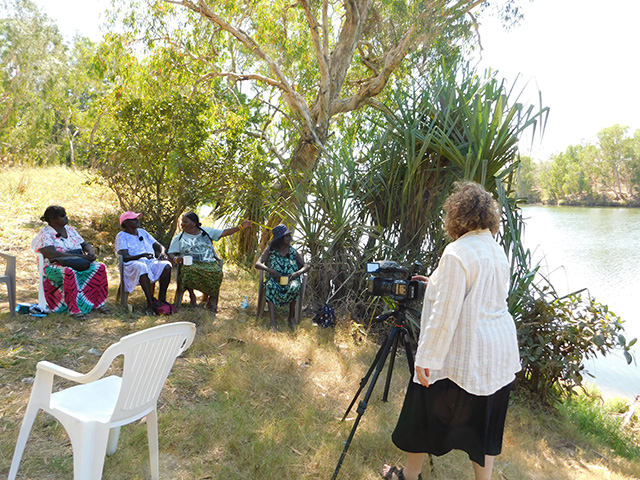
144 260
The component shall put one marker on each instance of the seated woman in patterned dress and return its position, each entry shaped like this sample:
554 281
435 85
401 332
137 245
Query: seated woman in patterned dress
66 288
205 273
144 259
284 266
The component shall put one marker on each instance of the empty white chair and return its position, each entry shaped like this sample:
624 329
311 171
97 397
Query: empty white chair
9 278
93 411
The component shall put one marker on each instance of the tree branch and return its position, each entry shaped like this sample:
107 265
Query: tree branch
295 101
324 93
373 86
341 58
265 138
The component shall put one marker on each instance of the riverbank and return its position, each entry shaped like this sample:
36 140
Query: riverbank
568 202
243 402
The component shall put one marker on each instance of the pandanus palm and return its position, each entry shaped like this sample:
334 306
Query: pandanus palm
456 125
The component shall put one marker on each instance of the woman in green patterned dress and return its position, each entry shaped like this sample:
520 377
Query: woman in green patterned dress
284 266
205 274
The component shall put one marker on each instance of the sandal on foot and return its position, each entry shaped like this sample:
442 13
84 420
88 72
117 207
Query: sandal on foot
398 472
81 317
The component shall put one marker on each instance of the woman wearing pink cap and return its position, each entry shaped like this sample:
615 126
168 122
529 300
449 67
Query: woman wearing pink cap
144 260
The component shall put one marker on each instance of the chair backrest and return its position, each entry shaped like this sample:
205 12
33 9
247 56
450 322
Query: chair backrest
10 267
42 302
149 356
9 278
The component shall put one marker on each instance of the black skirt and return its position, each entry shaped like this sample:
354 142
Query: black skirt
444 417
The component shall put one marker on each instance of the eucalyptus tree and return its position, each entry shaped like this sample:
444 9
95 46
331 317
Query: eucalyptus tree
47 88
615 162
33 56
311 61
566 176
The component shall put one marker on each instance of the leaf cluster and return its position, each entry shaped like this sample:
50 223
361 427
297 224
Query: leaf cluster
557 336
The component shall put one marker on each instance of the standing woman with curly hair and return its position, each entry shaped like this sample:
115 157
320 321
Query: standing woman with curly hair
467 353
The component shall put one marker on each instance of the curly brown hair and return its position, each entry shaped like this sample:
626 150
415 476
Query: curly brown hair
470 207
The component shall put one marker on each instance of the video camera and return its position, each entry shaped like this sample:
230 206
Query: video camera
388 279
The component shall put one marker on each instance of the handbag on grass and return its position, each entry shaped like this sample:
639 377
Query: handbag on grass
77 263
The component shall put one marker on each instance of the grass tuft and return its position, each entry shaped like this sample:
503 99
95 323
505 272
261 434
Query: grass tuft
602 422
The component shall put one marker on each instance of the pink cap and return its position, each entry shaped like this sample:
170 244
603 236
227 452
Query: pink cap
128 216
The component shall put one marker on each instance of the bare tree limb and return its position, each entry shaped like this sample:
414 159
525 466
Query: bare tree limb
324 93
374 85
262 136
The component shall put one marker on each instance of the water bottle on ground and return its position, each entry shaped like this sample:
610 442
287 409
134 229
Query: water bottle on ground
244 304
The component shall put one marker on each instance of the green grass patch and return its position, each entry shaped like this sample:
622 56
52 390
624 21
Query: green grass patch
602 422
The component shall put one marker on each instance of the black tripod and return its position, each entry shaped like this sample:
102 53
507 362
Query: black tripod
390 345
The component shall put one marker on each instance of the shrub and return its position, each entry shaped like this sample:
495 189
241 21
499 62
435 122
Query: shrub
557 335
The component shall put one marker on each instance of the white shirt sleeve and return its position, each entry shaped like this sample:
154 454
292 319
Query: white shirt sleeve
443 303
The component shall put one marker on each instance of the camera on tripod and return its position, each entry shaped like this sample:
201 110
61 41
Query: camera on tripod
389 279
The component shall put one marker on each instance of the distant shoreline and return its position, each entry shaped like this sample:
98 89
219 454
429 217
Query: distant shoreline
569 203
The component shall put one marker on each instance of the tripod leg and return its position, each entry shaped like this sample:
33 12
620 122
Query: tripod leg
364 380
362 406
392 361
407 348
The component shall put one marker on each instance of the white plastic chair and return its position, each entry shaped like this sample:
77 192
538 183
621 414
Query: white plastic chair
93 411
9 278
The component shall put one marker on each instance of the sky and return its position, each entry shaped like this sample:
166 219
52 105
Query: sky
581 55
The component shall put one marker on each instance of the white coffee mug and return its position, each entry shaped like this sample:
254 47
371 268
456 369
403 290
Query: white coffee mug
187 260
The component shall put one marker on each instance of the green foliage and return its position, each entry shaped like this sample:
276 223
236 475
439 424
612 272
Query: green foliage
457 126
526 180
154 157
557 335
166 144
386 201
33 56
601 422
46 89
604 173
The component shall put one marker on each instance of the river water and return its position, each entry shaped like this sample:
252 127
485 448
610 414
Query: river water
598 249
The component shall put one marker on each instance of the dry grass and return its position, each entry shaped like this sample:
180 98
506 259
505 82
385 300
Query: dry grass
243 403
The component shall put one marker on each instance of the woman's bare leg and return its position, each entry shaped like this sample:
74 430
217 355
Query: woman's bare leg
412 469
484 473
272 315
146 288
164 280
292 314
193 300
